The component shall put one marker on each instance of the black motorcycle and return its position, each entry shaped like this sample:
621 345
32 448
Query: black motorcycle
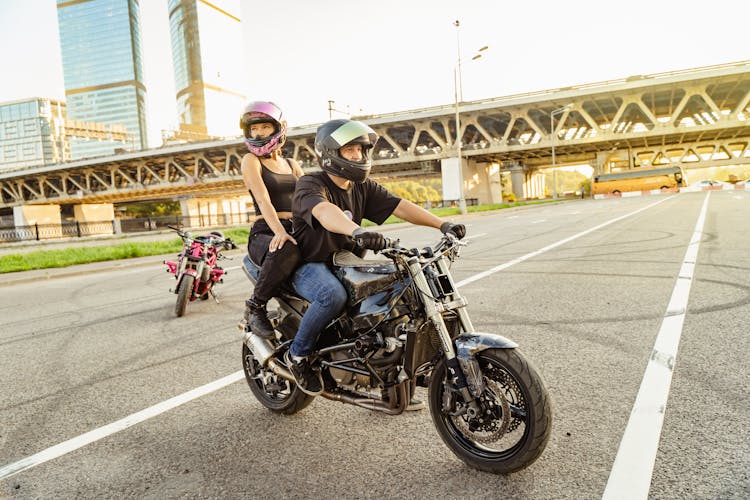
406 325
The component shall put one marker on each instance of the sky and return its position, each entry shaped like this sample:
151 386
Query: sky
383 56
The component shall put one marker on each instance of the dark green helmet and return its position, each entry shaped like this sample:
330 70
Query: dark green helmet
335 134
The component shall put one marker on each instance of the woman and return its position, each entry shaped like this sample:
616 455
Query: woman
271 179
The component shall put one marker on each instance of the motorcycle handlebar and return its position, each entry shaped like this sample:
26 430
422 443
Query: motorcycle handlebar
393 246
227 243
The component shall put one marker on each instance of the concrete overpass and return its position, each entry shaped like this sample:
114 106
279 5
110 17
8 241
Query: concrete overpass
697 118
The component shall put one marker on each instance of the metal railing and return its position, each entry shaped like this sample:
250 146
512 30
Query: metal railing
72 229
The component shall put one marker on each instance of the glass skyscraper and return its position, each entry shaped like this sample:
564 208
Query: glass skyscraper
207 57
31 133
101 54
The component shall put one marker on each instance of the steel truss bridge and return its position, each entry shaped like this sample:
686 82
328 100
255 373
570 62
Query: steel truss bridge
697 118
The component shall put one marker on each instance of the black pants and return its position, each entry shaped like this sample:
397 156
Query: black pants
275 267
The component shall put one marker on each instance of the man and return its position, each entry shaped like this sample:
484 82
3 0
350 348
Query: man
328 207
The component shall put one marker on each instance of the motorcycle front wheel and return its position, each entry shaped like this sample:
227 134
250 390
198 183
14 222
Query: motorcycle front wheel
183 294
515 421
275 393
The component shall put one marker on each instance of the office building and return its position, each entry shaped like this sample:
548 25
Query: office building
31 134
207 56
102 67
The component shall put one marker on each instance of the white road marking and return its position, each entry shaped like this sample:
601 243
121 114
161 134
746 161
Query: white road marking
131 420
467 238
518 260
538 221
630 477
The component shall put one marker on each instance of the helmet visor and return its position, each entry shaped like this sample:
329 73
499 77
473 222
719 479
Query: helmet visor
348 132
266 108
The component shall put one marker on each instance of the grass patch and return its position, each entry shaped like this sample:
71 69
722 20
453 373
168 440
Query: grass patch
45 259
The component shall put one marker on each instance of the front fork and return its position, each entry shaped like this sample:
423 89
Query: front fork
464 369
181 272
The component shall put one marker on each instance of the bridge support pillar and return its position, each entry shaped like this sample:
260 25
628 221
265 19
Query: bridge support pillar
517 181
95 213
483 182
28 215
535 185
452 178
42 215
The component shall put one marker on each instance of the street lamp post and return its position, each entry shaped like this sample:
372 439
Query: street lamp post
458 90
552 139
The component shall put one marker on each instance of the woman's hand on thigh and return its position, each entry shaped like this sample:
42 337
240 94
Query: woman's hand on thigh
278 241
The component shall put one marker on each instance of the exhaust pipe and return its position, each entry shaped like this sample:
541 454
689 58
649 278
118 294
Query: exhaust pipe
281 370
262 349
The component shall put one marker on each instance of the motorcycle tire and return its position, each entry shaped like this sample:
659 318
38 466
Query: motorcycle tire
275 393
183 294
516 394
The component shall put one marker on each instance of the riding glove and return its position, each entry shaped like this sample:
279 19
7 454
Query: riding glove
457 230
369 239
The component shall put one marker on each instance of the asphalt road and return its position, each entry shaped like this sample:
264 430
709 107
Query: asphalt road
82 351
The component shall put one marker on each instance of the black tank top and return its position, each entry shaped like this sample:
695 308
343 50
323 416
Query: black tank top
280 189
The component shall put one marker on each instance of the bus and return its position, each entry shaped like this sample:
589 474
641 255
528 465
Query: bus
664 179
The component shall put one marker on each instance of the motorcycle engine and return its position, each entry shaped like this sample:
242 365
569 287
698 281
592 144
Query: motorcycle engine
356 381
340 376
345 378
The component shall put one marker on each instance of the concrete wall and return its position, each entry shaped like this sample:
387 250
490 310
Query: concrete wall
216 211
28 215
43 215
94 213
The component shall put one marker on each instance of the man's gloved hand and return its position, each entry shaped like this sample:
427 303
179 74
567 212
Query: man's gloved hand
369 239
457 230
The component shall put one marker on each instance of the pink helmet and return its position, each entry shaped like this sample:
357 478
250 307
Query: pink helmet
263 112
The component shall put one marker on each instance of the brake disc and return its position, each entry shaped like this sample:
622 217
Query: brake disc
487 428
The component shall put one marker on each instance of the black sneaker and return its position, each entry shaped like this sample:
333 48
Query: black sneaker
257 319
307 379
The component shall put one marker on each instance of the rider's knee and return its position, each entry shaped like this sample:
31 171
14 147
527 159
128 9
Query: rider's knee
289 255
333 298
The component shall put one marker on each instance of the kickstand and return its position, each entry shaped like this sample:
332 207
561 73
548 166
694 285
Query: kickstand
215 297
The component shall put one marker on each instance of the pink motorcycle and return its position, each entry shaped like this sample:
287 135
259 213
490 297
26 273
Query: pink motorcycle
196 270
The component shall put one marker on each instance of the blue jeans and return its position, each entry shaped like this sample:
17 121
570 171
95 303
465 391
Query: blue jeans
327 297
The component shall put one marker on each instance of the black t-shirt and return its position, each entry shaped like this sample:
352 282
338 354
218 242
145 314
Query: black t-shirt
368 200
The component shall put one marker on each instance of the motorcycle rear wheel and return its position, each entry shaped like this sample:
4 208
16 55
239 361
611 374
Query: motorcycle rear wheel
183 294
511 383
275 393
